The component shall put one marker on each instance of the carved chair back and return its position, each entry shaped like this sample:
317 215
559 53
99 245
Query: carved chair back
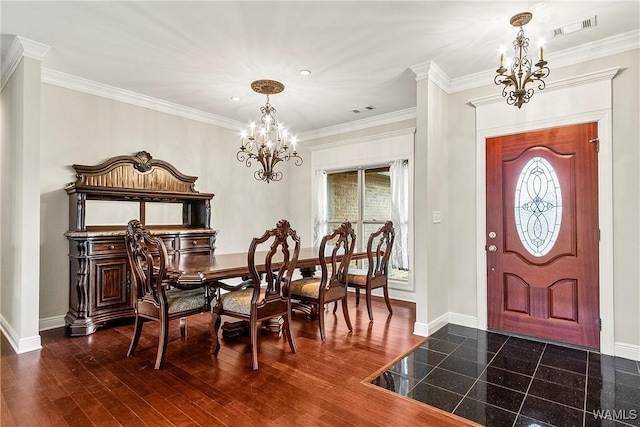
279 263
343 240
148 271
379 249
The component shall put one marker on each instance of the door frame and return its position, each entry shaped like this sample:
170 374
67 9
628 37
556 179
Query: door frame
550 109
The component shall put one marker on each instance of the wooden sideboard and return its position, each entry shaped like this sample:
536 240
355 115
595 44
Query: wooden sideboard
100 287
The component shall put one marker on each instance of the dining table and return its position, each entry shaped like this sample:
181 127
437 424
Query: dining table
195 270
209 271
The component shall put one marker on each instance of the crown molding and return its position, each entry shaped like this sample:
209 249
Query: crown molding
20 48
586 52
79 84
24 47
431 71
607 74
376 137
379 120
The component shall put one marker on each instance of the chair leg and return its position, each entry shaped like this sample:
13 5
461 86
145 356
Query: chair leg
214 327
357 296
254 326
321 324
162 341
183 328
345 311
335 307
369 309
137 331
289 332
386 299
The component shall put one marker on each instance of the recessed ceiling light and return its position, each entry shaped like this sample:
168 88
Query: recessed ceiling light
235 98
305 72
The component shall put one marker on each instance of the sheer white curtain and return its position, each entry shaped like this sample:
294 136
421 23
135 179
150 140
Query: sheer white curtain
400 213
320 220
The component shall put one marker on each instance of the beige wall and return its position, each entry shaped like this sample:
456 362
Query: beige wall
450 250
78 128
626 192
626 196
19 218
11 134
437 237
81 128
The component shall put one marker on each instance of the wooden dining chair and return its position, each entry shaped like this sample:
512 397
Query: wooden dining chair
265 294
335 254
155 296
376 275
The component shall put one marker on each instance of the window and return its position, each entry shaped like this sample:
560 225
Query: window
364 197
538 206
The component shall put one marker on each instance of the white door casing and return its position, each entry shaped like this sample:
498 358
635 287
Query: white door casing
580 99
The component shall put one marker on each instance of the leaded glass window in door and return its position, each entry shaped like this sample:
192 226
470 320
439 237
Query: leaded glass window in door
538 206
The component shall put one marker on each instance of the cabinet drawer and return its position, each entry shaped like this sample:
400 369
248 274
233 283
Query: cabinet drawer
113 246
169 243
194 243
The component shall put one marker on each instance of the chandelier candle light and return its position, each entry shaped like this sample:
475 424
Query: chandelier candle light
521 67
267 142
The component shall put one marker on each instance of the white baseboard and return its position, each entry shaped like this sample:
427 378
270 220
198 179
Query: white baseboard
628 351
463 320
625 350
424 330
47 323
20 345
408 296
421 329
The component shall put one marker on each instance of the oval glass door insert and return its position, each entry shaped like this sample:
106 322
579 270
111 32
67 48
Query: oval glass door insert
538 206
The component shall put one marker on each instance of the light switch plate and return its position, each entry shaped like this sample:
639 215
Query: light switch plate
437 217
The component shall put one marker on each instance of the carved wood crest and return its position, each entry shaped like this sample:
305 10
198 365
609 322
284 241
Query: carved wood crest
139 174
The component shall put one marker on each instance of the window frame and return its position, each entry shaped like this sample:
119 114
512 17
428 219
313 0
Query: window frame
396 142
359 224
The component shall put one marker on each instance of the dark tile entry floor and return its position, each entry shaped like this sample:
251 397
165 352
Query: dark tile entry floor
502 380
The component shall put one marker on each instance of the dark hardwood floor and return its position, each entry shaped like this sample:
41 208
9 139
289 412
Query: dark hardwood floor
89 381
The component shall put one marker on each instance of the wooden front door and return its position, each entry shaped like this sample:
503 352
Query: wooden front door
542 234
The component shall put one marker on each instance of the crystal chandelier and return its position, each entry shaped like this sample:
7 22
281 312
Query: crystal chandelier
521 67
267 142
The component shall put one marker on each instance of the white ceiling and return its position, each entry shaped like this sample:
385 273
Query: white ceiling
200 54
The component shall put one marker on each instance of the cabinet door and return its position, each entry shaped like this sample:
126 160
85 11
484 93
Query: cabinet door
112 283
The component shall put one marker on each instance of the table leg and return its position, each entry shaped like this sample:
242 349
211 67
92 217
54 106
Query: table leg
232 330
307 272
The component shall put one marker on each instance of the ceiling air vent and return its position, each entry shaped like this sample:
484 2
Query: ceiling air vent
363 109
576 26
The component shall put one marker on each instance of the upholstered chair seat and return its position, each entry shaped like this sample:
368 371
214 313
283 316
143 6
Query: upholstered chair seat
357 276
308 287
376 274
179 300
239 301
155 297
262 296
312 293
